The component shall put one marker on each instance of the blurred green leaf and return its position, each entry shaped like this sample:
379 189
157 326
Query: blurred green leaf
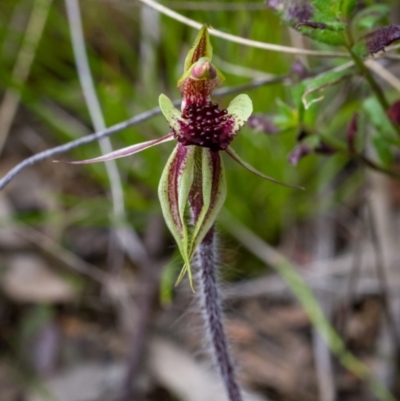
320 82
377 116
383 150
321 20
370 16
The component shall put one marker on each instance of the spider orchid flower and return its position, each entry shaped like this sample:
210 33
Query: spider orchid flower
193 179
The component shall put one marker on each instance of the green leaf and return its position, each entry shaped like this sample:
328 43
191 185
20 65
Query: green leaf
371 16
380 121
383 150
347 7
241 108
288 117
322 20
321 82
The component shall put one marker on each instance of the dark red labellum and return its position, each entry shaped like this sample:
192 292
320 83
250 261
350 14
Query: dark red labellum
205 127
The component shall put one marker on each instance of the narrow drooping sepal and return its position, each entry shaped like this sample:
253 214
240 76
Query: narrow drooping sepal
249 167
129 150
173 191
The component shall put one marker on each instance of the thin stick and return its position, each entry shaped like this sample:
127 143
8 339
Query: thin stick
385 74
237 39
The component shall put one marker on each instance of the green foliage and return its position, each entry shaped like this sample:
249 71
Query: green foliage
371 16
320 82
321 20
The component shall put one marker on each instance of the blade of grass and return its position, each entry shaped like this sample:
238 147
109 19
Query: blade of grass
22 67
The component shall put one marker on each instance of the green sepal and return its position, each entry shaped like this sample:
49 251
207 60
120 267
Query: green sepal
320 82
173 191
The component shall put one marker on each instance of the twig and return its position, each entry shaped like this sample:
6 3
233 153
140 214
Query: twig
119 127
26 55
237 39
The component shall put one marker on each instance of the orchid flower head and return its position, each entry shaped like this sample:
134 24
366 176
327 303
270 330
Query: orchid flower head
193 182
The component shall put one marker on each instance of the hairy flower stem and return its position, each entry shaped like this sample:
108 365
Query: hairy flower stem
213 315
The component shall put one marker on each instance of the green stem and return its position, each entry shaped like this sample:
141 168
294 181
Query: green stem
341 148
374 86
370 79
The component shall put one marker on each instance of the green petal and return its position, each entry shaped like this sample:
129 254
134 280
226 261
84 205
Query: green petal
241 108
201 48
171 113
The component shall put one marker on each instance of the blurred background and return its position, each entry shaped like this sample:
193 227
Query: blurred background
89 310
